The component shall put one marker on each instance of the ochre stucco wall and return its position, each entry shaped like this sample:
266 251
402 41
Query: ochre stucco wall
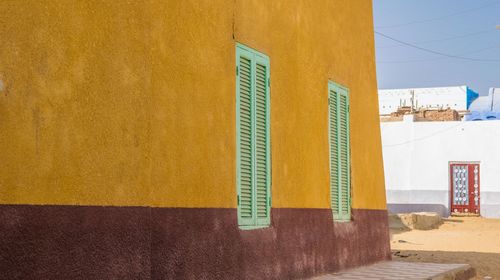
74 115
193 121
134 103
308 42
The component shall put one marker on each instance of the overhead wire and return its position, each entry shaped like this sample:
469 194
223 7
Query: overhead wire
433 51
439 18
425 137
439 58
443 39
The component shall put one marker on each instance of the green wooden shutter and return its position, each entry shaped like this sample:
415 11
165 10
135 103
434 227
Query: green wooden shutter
334 164
344 156
340 190
253 138
244 139
262 160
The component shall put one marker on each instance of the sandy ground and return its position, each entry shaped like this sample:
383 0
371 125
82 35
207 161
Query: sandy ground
471 240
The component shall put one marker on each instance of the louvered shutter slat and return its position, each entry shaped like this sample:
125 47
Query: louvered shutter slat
344 155
261 140
245 142
334 168
253 138
339 153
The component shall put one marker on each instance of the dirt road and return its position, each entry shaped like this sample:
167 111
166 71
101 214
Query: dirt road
468 234
475 241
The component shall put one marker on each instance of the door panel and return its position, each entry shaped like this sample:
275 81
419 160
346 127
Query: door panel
464 188
474 188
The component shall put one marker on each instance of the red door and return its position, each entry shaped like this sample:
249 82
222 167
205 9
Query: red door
464 187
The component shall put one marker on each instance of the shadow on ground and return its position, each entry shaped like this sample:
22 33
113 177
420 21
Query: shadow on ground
452 220
485 264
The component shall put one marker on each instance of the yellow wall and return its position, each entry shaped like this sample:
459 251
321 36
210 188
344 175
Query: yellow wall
134 103
193 121
74 115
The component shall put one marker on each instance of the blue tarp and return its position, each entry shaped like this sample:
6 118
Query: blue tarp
485 107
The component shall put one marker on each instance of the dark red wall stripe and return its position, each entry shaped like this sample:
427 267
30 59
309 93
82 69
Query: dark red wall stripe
91 242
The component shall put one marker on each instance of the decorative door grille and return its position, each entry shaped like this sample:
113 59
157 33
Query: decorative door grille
464 183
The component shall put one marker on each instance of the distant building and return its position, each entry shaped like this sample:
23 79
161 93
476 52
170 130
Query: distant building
445 167
457 98
422 115
449 166
485 107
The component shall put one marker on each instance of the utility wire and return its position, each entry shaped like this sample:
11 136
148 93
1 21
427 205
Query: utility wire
461 123
439 58
440 18
443 39
435 52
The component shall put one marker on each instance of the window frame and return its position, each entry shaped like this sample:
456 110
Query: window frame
340 90
255 57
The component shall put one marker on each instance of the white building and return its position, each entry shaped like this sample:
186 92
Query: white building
439 166
485 107
458 98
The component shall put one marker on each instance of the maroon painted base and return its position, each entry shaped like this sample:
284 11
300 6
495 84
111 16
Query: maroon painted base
82 242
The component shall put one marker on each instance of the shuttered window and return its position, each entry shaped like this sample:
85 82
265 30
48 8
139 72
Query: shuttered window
340 177
253 141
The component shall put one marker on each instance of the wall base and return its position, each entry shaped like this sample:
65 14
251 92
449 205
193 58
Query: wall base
91 242
397 208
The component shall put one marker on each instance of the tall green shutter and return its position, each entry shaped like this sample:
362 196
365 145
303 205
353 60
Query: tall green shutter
262 167
334 152
253 138
245 142
340 175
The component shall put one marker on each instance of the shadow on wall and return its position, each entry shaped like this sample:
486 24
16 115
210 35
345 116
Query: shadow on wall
398 208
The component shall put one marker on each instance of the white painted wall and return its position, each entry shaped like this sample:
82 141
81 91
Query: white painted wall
485 107
439 97
417 156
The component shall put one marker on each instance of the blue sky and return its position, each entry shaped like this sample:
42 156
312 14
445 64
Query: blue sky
454 27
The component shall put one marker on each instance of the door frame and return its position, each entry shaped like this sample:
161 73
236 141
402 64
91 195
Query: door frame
450 185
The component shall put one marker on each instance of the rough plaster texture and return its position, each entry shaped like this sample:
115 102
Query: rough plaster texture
75 110
299 244
74 242
133 102
305 52
92 242
417 156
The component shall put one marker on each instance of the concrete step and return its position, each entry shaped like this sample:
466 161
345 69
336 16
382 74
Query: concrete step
393 270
